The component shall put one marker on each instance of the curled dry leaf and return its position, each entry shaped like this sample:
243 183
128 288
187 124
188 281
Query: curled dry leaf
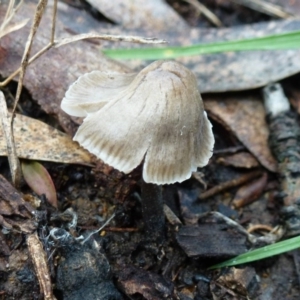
156 116
36 140
245 117
38 178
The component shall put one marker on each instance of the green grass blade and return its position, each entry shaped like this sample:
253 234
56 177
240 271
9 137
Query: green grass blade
262 253
289 40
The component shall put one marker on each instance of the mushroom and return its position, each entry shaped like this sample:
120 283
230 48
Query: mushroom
156 116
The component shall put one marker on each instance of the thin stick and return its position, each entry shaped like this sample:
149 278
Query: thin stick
36 22
14 163
265 7
206 12
229 184
39 260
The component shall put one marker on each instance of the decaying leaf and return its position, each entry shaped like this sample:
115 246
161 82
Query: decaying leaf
11 205
38 178
154 15
47 82
36 140
215 73
245 116
239 160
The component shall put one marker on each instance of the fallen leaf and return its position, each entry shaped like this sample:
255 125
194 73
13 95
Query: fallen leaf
231 71
154 15
215 72
218 239
239 160
13 205
245 117
39 180
36 140
48 78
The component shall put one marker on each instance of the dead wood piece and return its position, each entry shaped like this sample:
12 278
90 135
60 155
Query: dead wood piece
39 260
219 239
284 141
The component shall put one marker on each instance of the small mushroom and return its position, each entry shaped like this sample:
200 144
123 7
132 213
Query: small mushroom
156 116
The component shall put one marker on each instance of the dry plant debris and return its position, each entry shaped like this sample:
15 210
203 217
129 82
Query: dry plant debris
40 263
155 15
138 269
39 180
12 204
36 140
239 160
246 119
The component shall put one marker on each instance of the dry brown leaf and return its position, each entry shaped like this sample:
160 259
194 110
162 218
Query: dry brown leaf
154 15
36 140
49 77
13 205
245 117
48 82
239 160
231 71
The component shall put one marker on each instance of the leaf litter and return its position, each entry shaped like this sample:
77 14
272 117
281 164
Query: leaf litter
48 90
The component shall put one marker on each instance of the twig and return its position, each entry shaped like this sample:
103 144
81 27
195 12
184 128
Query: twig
229 184
39 260
206 12
36 22
266 8
14 163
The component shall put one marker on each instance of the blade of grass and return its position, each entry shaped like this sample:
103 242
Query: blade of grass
288 40
261 253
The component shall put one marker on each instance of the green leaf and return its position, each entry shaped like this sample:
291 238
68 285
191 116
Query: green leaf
261 253
283 41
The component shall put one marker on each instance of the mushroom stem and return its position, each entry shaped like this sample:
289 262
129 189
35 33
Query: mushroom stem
153 211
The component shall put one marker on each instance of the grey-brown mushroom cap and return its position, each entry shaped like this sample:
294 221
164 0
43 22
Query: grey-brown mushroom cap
159 118
92 91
